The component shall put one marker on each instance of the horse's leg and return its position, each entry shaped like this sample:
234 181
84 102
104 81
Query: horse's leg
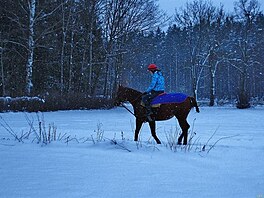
152 126
138 127
180 139
185 134
184 126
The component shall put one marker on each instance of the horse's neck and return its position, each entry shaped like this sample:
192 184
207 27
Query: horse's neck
135 96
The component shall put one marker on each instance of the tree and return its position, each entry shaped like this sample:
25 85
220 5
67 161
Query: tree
247 11
24 36
216 55
120 18
2 71
196 19
31 46
93 53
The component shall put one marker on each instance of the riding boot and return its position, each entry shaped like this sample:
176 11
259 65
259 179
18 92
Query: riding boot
149 113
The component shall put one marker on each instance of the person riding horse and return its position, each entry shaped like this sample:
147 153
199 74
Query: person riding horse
156 87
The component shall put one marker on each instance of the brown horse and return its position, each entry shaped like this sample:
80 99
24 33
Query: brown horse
164 112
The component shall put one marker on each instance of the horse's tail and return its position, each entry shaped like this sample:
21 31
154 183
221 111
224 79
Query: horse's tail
194 104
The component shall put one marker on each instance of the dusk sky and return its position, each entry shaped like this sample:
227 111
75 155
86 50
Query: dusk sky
170 5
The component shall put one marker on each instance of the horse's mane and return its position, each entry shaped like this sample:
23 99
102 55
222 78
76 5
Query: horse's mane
133 90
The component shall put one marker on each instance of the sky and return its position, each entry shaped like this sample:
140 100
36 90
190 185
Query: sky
170 5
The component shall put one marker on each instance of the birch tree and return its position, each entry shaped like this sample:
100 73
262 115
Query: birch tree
216 55
33 19
25 36
196 19
31 46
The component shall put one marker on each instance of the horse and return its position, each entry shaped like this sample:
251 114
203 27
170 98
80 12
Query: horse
164 112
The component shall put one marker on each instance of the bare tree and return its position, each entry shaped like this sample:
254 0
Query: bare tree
196 18
66 16
31 46
26 18
120 18
247 11
217 55
94 7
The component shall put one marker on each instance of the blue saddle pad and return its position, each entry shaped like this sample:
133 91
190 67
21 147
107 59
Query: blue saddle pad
169 98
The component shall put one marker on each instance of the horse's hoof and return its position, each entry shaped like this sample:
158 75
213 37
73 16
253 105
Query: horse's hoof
158 141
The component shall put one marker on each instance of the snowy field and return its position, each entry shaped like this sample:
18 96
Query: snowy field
97 156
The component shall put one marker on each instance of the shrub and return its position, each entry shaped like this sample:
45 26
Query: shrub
76 101
53 103
243 100
24 103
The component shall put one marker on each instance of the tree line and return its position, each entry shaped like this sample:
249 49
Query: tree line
86 48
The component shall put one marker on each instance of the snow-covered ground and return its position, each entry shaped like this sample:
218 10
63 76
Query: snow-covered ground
92 166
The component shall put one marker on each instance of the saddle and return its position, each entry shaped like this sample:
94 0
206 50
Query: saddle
167 98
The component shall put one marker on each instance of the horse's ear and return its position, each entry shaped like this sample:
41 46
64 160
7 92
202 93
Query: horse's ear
120 87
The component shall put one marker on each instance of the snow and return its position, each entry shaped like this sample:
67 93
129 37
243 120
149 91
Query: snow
232 168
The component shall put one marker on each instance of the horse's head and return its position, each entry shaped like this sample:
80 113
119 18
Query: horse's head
124 94
121 96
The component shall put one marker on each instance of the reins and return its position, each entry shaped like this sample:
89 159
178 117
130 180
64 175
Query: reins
131 102
128 109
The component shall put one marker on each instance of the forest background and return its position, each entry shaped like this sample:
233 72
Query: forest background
74 54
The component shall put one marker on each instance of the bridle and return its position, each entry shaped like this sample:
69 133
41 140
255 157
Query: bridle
131 103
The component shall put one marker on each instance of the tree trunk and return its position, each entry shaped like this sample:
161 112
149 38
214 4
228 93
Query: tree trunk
2 73
212 89
243 96
90 61
31 45
213 69
62 51
65 24
71 63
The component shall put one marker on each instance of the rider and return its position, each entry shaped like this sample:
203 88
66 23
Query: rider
155 88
